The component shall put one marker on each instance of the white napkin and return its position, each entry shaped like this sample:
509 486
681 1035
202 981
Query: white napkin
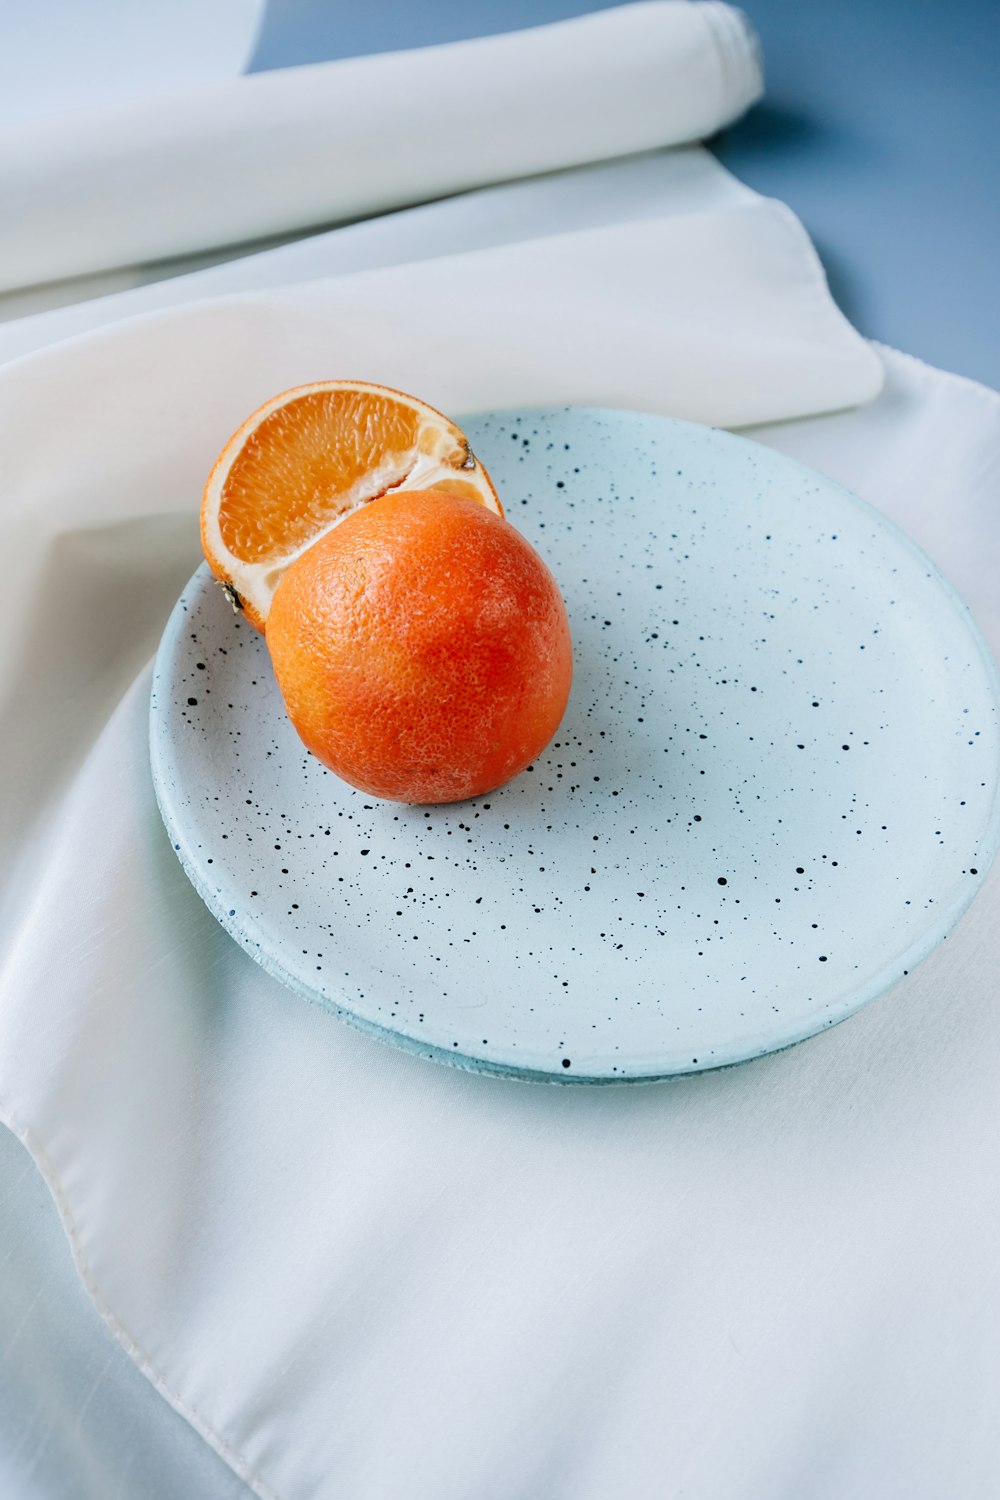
356 1273
654 185
233 161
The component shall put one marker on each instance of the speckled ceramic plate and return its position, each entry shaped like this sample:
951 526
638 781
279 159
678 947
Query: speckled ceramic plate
774 790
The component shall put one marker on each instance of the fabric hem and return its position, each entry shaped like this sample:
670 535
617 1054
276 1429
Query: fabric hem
229 1455
933 373
740 57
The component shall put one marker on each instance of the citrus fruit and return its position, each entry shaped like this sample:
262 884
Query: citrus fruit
422 648
309 457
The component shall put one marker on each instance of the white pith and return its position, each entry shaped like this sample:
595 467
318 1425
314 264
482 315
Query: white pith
256 582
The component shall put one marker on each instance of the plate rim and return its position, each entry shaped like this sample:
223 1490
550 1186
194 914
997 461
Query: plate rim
889 974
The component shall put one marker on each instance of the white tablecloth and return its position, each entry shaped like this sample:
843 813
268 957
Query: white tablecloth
356 1273
180 174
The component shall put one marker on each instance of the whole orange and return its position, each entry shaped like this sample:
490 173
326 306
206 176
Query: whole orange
422 648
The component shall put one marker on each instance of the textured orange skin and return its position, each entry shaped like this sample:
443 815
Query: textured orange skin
422 649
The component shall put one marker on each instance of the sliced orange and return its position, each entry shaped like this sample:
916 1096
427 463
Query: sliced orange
311 456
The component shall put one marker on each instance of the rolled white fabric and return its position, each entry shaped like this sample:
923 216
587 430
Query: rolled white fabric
230 162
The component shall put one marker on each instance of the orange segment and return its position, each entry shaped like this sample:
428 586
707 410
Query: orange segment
311 456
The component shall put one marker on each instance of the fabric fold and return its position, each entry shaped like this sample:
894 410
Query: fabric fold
352 1271
288 150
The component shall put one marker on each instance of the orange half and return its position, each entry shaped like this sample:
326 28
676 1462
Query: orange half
311 456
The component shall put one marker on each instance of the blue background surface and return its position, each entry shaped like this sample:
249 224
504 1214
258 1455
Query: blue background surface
880 128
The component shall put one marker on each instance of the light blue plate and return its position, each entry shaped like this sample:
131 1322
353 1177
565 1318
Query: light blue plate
773 793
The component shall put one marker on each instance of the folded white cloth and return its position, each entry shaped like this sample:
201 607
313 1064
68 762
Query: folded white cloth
356 1273
654 185
234 161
